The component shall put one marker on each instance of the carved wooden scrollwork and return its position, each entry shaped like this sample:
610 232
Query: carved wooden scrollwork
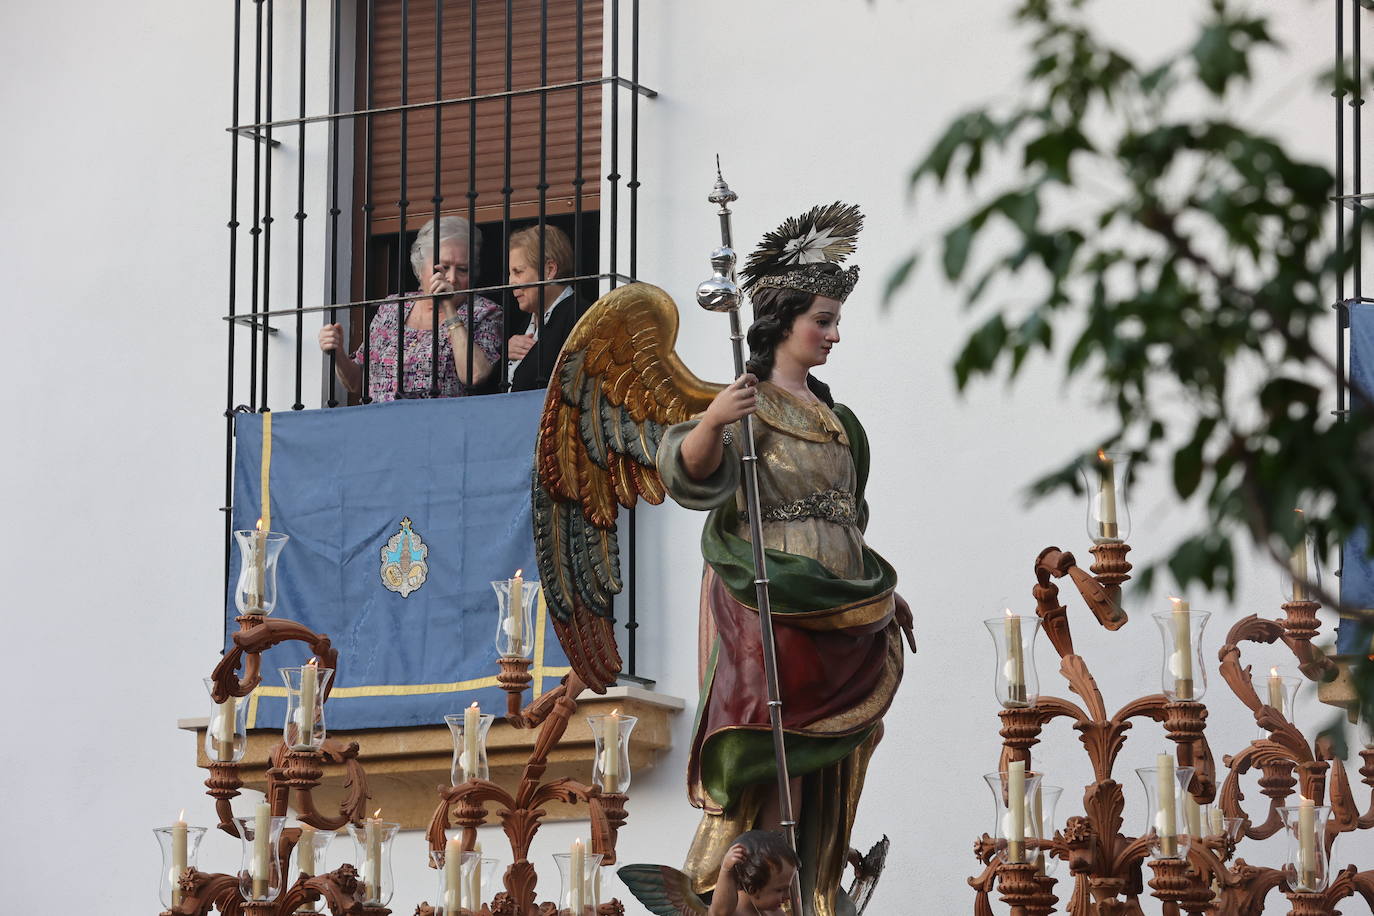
1107 866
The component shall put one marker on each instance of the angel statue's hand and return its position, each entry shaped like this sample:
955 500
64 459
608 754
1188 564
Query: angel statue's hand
735 401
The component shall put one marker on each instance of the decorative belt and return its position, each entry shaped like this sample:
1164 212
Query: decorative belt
831 505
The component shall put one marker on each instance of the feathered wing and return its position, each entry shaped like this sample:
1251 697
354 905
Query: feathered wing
617 386
662 890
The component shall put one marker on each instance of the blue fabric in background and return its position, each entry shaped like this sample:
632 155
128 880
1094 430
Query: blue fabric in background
1357 571
341 481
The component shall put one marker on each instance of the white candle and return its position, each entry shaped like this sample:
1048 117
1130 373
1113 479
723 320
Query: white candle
305 734
472 717
1106 496
1216 820
517 613
1016 808
1166 822
475 884
610 750
257 559
1193 813
1276 691
1016 660
372 870
305 846
1307 846
1299 564
453 870
577 868
1181 664
262 835
178 855
223 729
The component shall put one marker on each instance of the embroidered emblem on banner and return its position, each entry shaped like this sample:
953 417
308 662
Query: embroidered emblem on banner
403 561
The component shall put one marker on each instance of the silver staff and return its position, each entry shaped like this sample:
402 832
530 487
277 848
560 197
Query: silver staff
722 294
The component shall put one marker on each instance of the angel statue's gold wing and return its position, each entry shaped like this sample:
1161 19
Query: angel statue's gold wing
617 386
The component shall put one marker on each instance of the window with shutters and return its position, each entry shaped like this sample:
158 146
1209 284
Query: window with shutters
515 136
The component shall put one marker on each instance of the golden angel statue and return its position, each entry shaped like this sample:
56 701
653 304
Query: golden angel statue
624 419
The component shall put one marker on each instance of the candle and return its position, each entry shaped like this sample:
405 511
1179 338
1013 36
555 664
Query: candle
1016 808
610 752
223 729
178 855
372 843
1106 496
517 614
453 864
1166 820
1181 664
1016 660
262 834
1216 820
1299 564
257 570
1307 849
577 868
1192 812
305 856
475 884
1276 691
472 717
305 732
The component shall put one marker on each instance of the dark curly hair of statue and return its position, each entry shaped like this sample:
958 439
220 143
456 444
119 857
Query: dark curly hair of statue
764 853
774 312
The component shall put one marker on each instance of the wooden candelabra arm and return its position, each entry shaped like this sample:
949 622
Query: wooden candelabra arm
201 891
256 635
1277 782
1100 589
340 889
608 815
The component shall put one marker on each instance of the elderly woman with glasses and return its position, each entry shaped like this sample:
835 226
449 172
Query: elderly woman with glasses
469 333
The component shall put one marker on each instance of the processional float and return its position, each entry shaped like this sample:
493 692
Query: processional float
263 885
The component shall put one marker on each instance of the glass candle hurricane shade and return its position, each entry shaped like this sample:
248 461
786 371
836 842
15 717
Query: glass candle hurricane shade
1306 868
469 730
1013 797
179 844
515 599
1105 478
373 839
579 872
256 589
1183 672
226 737
305 689
260 876
1015 680
611 734
1167 811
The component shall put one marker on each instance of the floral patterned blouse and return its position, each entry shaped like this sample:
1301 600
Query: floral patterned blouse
381 383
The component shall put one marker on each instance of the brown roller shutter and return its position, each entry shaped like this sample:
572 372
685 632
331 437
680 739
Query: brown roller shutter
561 125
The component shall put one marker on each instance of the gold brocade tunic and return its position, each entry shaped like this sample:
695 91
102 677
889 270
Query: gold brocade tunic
804 461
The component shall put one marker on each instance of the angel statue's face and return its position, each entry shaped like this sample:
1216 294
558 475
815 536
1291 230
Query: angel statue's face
814 332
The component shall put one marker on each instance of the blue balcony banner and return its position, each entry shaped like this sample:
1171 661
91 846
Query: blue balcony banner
1357 570
399 517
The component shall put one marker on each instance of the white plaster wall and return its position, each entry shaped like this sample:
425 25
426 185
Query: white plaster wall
115 246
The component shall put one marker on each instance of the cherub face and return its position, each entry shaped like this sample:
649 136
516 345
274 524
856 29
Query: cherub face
774 894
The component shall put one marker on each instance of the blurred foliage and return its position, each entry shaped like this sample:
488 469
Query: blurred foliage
1177 262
